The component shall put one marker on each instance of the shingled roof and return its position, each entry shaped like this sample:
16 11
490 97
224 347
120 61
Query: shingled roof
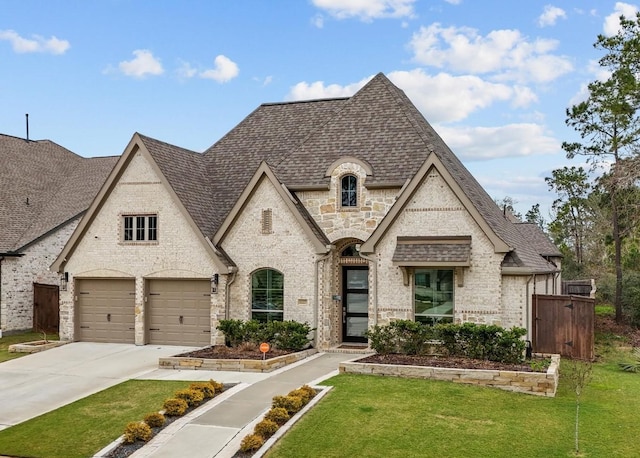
42 187
300 140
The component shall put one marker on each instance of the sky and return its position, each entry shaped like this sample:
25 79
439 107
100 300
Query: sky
494 78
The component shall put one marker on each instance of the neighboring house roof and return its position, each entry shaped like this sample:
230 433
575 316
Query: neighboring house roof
539 240
42 187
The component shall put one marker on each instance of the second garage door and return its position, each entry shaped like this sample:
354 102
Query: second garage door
106 309
179 311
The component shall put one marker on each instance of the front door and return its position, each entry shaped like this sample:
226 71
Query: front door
355 303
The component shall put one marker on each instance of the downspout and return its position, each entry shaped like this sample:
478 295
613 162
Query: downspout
227 288
316 285
375 285
528 305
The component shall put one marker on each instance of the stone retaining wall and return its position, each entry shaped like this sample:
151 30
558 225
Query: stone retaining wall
237 365
536 383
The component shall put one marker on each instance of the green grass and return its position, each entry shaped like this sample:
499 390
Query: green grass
84 427
371 416
5 341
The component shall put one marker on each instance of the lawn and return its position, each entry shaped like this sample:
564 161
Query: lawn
371 416
84 427
5 341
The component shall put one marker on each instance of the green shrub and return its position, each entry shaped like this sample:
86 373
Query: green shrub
285 335
251 443
412 337
292 404
175 407
382 339
278 415
154 419
233 331
290 335
192 397
137 430
266 428
217 386
207 389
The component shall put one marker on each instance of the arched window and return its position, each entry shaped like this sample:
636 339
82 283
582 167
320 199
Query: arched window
267 295
349 193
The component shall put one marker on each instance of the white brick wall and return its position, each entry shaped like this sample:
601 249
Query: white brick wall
19 275
287 250
101 254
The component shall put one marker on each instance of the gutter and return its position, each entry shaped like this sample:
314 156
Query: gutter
227 288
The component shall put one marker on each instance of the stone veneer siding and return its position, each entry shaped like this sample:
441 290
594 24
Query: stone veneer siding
178 253
19 275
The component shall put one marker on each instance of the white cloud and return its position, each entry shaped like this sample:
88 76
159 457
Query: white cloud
612 22
454 2
512 140
186 70
144 64
441 98
550 16
318 90
504 54
37 43
318 21
224 70
366 10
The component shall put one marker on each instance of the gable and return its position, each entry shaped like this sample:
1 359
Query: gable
136 186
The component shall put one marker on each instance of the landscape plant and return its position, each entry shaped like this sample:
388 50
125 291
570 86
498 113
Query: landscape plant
137 430
578 375
284 335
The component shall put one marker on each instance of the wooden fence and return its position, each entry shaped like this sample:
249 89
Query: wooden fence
564 325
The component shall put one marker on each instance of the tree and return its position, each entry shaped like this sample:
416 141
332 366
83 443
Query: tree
569 226
533 216
609 126
578 375
506 204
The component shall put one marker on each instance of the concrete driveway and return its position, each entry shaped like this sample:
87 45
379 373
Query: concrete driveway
41 382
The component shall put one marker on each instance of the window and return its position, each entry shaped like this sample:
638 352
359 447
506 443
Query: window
267 295
433 297
143 228
349 186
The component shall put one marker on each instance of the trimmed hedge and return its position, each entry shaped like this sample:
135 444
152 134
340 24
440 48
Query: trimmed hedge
470 340
283 335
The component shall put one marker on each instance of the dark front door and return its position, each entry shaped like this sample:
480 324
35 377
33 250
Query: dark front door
46 309
355 303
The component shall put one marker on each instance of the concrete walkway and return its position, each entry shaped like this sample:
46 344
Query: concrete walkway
41 382
217 428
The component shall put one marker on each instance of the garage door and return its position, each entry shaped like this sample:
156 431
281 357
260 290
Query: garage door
179 311
106 310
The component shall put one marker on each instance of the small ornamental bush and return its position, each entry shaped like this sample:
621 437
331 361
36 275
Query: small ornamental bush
292 404
137 430
217 386
251 443
266 428
278 415
208 390
304 395
310 391
284 335
154 419
175 407
192 397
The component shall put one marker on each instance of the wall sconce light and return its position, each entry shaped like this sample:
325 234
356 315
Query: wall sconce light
214 283
64 280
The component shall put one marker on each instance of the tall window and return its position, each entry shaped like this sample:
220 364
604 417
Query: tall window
267 295
433 300
349 193
143 228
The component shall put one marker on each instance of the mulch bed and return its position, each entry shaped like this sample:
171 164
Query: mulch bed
441 361
607 324
223 352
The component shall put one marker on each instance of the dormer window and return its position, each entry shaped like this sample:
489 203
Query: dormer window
349 191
